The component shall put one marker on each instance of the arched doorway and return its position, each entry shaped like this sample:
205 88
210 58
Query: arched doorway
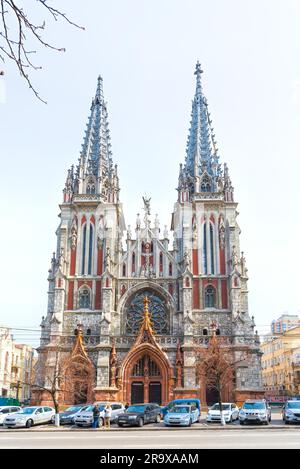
145 381
78 383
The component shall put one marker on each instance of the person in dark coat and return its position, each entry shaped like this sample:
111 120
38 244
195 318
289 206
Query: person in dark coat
96 413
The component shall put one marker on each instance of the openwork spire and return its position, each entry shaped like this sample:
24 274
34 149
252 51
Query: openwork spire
95 173
96 148
201 172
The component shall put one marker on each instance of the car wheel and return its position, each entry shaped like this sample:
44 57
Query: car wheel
120 425
241 422
101 422
29 423
158 418
140 422
230 420
190 422
52 419
286 422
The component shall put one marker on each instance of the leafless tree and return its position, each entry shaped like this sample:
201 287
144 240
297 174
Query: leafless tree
64 379
17 30
216 365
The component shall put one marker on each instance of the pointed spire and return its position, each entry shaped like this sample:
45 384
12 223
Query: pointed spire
95 167
202 158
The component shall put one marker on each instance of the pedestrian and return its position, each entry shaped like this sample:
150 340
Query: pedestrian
126 406
107 415
96 413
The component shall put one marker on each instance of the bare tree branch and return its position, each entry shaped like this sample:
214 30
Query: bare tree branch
14 46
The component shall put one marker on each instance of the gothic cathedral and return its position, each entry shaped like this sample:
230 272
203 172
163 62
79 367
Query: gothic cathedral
128 311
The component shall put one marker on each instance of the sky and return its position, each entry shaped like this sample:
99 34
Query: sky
146 52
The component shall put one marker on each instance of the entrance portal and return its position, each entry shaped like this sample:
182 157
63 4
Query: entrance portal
145 381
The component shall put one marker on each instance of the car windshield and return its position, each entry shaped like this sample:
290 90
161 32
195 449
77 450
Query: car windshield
136 408
293 405
90 408
254 405
27 410
73 408
224 407
181 410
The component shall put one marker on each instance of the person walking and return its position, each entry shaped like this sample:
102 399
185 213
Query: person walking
107 415
96 413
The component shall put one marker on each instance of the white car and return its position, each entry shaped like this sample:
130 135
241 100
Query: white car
85 417
230 412
29 416
7 410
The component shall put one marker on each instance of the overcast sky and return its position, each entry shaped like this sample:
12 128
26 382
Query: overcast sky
146 53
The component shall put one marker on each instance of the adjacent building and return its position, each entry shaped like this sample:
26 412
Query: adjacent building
281 364
16 362
195 278
284 323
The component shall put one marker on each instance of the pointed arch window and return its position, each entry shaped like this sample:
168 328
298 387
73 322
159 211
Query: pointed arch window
90 249
211 240
205 331
170 269
206 184
210 297
133 263
85 298
204 249
124 270
83 249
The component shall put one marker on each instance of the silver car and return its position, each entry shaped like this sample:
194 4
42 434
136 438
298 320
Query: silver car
85 417
255 411
29 416
291 412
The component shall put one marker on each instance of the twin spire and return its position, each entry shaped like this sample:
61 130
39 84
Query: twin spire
95 173
201 173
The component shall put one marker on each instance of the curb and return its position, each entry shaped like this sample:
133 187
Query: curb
153 429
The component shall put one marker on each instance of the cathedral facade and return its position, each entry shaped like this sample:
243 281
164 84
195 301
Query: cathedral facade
133 307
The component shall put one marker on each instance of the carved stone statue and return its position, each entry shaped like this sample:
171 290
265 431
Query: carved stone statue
101 231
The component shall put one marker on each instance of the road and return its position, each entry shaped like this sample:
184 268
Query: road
224 438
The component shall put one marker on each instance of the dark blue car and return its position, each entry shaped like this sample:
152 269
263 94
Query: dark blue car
192 402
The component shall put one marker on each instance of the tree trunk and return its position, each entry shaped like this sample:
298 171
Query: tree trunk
221 408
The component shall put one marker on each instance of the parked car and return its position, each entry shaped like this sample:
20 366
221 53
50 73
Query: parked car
5 411
257 411
138 414
291 412
230 412
84 418
182 415
191 402
29 416
68 415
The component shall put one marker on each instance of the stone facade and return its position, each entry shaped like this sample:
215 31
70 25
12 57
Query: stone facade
102 271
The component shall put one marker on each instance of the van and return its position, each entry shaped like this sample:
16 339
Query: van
187 401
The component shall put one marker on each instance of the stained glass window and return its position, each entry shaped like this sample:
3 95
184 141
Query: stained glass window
157 308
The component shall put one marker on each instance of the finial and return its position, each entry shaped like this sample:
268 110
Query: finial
99 90
198 72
